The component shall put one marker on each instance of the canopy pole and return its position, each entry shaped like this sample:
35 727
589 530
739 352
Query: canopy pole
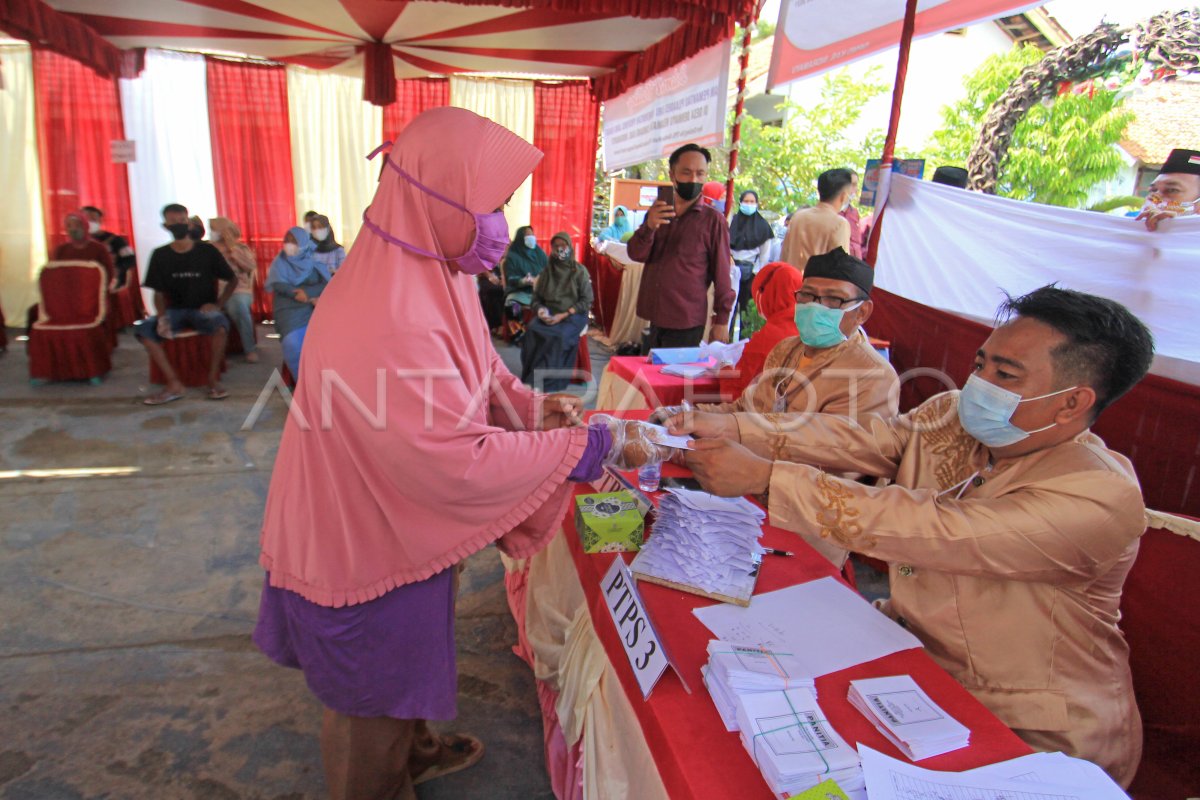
735 136
889 144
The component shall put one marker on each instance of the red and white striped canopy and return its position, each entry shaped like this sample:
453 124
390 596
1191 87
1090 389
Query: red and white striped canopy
616 42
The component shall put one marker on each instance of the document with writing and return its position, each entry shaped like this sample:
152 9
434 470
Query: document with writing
824 624
902 712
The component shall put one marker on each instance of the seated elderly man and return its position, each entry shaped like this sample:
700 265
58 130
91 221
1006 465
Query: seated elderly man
1009 527
831 367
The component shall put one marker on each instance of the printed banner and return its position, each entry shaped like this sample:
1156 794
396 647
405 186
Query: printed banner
817 35
684 104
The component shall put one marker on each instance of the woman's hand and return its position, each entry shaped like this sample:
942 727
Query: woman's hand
300 296
561 410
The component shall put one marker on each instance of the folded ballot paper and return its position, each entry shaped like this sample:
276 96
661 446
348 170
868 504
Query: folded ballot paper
704 544
736 669
794 746
903 713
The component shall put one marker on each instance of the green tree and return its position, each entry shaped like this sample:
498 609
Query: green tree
1059 151
782 162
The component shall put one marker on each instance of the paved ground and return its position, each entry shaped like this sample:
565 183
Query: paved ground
127 601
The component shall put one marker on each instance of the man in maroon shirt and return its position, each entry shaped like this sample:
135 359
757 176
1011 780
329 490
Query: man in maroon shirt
685 247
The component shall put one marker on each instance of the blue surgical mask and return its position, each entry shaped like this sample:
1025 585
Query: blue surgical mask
531 241
985 411
748 208
819 326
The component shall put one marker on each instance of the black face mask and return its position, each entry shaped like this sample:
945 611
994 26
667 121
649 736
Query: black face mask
179 230
195 234
689 191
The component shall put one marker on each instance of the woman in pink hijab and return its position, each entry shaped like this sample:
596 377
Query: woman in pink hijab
409 447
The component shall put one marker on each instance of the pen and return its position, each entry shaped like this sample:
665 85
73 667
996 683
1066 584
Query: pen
773 552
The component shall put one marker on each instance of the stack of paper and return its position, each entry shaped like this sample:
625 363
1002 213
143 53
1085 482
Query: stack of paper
907 717
792 743
736 669
687 371
704 544
1041 776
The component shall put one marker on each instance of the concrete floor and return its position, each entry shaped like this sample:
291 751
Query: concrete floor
127 601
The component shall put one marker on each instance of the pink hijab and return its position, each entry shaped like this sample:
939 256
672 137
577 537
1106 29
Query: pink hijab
409 445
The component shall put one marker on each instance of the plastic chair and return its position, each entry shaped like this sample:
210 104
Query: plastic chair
71 340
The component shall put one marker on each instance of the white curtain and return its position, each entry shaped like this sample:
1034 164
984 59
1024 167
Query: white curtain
960 251
509 103
332 131
22 231
166 115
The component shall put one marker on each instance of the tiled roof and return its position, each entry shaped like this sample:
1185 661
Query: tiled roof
1167 116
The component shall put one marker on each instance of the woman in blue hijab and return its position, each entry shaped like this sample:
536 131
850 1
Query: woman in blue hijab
295 280
621 228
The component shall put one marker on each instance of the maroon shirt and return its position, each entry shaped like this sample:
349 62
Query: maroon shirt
87 250
682 258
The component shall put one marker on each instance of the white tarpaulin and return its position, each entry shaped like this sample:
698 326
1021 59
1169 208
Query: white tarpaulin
684 104
960 251
818 35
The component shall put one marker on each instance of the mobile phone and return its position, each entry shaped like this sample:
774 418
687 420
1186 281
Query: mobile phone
666 194
683 483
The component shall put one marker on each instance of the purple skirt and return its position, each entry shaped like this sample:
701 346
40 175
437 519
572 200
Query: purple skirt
389 657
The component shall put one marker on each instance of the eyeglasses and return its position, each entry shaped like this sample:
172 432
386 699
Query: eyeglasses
828 301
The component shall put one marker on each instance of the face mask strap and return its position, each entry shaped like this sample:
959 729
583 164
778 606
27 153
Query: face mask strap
387 237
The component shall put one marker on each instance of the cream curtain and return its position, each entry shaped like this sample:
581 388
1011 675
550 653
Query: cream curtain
166 114
509 103
332 131
22 231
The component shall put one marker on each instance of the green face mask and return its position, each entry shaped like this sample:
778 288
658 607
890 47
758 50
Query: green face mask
76 234
819 326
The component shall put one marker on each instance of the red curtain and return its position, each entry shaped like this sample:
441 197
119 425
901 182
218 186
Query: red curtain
413 95
566 117
1157 424
252 158
78 118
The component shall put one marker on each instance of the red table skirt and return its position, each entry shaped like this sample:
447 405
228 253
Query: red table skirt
606 287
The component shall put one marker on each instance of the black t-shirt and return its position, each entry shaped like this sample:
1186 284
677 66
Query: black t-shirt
189 280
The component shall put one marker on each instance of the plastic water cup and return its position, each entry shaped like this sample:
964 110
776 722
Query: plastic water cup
650 476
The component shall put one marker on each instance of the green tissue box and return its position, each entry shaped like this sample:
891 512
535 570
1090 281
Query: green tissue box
609 522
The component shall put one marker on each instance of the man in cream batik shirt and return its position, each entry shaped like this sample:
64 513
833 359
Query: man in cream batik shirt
1009 527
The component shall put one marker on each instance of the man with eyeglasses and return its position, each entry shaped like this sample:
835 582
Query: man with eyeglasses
1009 527
831 367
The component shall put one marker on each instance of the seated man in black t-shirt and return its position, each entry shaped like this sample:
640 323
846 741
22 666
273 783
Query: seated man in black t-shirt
184 275
118 246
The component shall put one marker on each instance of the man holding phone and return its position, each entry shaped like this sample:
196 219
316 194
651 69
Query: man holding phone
685 247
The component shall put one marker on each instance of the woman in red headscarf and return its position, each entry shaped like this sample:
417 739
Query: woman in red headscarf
407 448
774 293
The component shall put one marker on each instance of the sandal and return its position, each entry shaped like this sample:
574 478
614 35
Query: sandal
463 749
162 398
217 393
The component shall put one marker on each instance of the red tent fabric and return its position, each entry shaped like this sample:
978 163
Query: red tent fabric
252 158
78 118
413 95
617 43
70 340
566 120
1161 621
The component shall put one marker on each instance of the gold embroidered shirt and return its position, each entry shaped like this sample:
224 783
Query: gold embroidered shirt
1010 573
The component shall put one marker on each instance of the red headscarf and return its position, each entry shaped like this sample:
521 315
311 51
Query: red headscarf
774 293
404 451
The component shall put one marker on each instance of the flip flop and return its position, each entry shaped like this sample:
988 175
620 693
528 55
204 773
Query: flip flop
161 399
217 394
467 751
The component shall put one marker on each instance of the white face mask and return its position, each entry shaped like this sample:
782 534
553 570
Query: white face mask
291 250
93 227
214 236
320 234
